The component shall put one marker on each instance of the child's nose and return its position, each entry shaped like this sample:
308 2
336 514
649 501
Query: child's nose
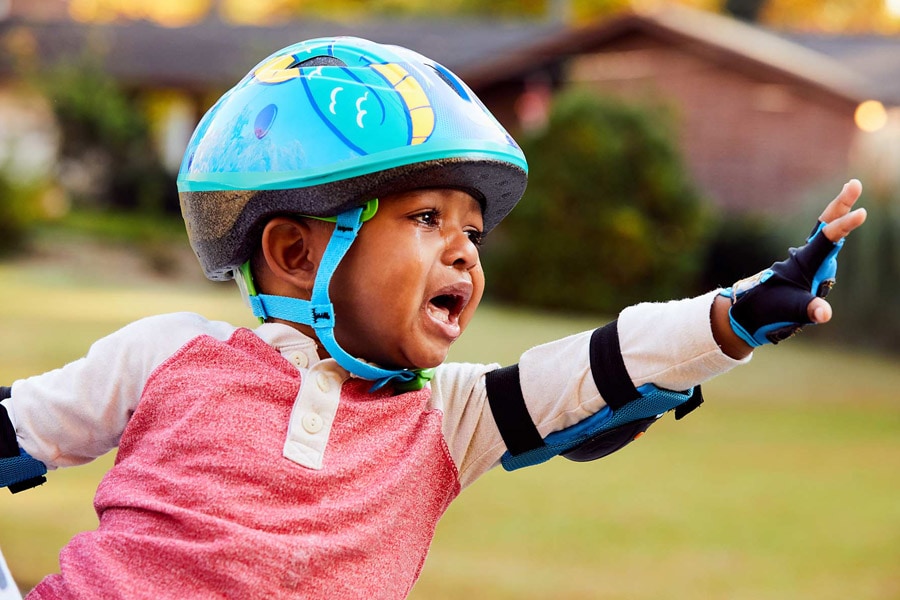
460 251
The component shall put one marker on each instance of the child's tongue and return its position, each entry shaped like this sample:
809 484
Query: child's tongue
440 308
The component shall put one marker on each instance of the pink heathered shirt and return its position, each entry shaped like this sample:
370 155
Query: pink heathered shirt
201 503
250 468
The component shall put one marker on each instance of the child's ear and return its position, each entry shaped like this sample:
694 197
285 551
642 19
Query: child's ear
291 256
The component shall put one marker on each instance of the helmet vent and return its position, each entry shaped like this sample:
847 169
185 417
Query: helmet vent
448 78
320 61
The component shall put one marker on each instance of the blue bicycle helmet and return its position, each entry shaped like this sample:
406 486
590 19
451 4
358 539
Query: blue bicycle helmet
321 128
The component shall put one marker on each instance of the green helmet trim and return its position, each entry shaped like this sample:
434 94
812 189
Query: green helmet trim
369 210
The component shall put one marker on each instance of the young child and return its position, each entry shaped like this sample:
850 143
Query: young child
346 186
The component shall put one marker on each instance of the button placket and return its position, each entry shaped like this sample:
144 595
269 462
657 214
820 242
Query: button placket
313 416
299 359
323 382
312 422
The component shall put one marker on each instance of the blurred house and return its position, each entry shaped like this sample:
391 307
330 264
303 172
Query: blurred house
179 72
763 118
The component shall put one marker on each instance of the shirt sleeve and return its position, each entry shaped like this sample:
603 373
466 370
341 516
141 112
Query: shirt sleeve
668 344
74 414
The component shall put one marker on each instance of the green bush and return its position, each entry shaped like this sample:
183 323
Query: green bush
609 218
19 208
105 137
741 245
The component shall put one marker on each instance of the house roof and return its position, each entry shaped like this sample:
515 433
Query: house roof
483 52
875 57
213 54
716 38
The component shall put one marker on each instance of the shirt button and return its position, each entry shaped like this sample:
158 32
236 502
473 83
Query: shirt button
312 422
299 359
323 382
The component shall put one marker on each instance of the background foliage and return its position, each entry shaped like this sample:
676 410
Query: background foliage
743 244
18 211
609 218
866 296
829 15
106 154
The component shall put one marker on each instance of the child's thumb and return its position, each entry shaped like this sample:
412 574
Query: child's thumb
819 311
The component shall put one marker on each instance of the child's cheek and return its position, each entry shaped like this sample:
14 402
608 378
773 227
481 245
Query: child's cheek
469 311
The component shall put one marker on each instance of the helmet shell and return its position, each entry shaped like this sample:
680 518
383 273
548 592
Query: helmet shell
325 125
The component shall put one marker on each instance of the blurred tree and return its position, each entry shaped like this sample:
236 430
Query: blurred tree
106 155
520 9
832 15
171 13
741 245
609 218
19 207
867 296
745 10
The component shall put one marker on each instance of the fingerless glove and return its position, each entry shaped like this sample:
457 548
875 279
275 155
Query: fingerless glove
773 304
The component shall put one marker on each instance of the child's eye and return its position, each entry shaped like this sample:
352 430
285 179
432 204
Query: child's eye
476 237
430 218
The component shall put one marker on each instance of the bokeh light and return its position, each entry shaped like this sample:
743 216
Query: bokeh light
870 116
169 13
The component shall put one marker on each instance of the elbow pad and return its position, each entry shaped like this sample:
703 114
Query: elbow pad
628 414
18 470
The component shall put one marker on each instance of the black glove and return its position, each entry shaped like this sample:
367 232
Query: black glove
773 304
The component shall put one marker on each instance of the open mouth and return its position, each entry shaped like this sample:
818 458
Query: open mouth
446 306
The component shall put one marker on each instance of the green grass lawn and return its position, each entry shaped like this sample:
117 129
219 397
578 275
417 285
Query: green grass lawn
784 485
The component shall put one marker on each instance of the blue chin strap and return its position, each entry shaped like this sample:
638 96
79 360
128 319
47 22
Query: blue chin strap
318 312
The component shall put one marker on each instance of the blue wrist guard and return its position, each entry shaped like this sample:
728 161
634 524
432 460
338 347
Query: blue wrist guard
21 472
771 306
18 470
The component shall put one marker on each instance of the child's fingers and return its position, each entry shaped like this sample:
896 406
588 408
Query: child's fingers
844 201
842 226
819 311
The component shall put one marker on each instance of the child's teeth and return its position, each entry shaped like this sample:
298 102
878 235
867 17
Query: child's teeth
441 314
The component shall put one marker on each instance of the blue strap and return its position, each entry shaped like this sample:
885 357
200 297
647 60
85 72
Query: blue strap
653 402
629 411
318 312
827 272
21 472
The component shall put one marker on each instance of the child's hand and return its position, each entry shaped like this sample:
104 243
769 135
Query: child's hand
840 222
776 303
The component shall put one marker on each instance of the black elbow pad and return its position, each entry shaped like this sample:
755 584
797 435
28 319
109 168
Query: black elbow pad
628 414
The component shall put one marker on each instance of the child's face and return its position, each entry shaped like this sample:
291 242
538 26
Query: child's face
412 280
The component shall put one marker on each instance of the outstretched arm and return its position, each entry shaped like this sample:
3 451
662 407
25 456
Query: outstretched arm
590 394
839 220
72 415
